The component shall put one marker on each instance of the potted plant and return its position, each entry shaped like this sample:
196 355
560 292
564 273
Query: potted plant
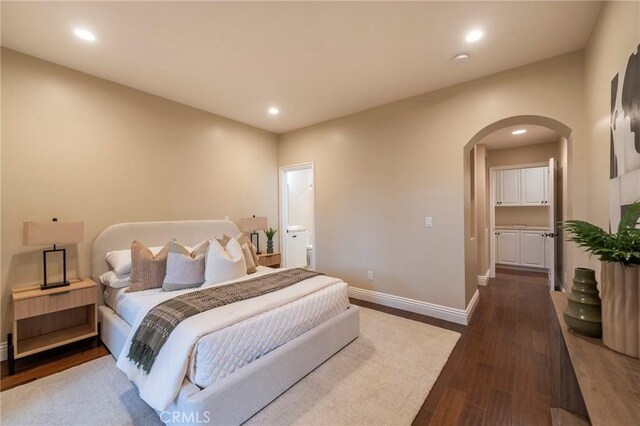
620 277
270 234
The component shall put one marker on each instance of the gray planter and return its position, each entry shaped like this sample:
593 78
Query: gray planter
583 314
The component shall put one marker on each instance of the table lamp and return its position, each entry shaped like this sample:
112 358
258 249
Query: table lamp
253 224
53 233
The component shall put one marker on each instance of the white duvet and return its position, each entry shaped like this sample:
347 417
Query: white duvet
160 387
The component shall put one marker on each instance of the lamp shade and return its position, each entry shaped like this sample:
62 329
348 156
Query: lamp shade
52 233
252 224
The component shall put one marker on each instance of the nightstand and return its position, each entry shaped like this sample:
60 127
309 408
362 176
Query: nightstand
271 260
46 319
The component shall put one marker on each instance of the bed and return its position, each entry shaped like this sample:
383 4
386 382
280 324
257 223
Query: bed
236 370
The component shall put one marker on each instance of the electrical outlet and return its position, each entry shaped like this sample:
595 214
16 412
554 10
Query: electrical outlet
226 218
370 275
428 222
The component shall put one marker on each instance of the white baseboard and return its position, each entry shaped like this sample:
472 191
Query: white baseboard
559 284
472 305
484 279
3 351
459 316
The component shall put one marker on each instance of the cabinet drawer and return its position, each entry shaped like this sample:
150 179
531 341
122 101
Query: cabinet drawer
270 260
54 302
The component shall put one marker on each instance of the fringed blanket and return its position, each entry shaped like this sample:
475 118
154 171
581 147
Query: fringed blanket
160 321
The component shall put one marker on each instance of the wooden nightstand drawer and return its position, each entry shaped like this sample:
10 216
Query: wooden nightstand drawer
54 302
271 260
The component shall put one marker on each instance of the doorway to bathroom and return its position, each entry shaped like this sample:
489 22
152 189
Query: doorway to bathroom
297 215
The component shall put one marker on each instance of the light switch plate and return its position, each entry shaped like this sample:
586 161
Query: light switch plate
370 275
428 222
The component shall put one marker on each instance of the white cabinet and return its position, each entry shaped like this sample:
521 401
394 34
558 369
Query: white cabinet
508 252
508 187
522 187
521 247
532 248
533 185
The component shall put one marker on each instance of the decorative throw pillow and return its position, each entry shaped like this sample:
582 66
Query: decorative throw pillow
120 260
113 280
224 264
184 269
242 239
224 240
248 259
147 270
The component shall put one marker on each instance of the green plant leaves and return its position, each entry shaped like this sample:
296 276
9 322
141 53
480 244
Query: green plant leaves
622 247
270 233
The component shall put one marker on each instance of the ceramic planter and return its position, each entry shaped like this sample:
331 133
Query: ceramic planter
582 314
270 246
620 314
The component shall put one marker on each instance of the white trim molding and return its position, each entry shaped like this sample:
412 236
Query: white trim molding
459 316
484 279
3 351
471 307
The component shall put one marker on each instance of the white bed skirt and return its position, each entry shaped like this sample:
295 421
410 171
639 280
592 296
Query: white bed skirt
238 396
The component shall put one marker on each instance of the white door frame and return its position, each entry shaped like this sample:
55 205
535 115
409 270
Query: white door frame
284 211
492 207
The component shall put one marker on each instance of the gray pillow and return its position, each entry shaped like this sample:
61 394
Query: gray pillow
184 269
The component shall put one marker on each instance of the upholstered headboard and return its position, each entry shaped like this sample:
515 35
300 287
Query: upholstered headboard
120 237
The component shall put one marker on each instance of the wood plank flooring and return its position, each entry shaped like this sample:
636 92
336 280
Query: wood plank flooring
51 362
497 374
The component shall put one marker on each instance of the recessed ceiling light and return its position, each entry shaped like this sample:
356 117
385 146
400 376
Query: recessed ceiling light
519 131
474 35
84 34
460 58
274 111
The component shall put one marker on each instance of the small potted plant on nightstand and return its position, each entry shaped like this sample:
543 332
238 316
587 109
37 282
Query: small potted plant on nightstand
620 277
270 233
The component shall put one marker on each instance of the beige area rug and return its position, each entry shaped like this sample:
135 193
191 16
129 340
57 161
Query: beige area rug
382 378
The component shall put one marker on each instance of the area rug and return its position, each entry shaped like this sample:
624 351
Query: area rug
383 377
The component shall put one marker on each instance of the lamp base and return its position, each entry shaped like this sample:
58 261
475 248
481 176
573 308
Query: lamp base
47 286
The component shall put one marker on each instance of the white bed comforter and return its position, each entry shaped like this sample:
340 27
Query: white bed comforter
160 387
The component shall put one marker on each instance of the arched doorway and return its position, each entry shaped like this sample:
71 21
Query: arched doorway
478 232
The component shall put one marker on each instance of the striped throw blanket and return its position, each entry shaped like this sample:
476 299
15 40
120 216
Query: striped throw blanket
162 319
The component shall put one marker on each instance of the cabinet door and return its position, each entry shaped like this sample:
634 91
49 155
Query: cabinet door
509 187
498 187
532 250
508 245
533 186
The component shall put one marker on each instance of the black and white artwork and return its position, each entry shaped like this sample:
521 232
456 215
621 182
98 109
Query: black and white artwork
624 183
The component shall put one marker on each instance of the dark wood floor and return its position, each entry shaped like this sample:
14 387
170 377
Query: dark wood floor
50 362
497 374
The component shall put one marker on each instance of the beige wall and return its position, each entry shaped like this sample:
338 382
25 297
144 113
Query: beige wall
381 171
538 153
563 247
615 37
531 216
481 208
81 148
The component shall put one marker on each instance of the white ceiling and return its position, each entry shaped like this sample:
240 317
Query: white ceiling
314 60
503 138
